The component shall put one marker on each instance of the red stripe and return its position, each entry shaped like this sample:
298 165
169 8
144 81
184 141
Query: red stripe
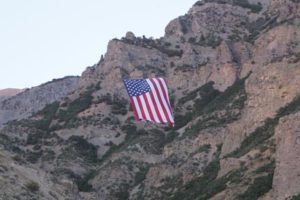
134 108
149 108
141 107
160 100
155 107
165 95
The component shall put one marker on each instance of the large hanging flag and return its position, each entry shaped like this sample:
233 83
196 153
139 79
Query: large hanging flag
149 99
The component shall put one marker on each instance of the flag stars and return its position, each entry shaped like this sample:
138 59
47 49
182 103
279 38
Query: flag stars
154 107
137 87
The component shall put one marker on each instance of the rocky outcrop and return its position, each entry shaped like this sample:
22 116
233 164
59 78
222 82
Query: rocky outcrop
31 100
8 92
286 181
233 71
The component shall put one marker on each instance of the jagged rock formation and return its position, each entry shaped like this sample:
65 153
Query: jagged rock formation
29 101
234 77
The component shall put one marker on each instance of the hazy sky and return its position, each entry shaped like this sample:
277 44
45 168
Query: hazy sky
45 39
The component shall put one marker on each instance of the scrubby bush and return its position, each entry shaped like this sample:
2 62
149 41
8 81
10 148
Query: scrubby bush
48 112
78 105
256 8
32 186
77 145
259 187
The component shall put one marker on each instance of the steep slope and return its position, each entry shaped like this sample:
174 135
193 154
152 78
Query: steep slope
31 100
233 68
8 92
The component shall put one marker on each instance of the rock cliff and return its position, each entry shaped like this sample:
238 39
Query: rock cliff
24 104
233 69
8 92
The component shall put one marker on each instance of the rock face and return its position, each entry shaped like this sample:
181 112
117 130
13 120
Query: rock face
233 71
31 100
8 92
286 181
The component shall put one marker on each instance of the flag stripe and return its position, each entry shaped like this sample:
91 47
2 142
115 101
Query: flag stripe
148 107
136 104
156 107
164 101
163 86
159 105
150 100
141 107
159 95
152 107
134 108
145 108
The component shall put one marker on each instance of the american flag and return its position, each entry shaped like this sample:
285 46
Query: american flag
149 99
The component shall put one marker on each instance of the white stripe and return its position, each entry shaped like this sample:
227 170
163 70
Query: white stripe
161 111
137 107
163 99
152 108
145 108
165 88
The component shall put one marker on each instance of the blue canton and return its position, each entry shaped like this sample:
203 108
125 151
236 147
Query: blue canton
137 87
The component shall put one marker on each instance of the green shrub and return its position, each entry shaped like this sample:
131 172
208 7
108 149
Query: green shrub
119 106
204 148
256 8
105 98
32 186
48 155
252 37
294 58
34 156
264 132
257 137
78 146
83 182
217 109
171 184
170 136
159 44
199 3
152 142
290 108
233 97
267 168
205 186
207 94
182 120
202 187
146 69
258 188
48 112
78 105
122 192
184 68
295 197
35 138
211 40
131 134
277 59
141 175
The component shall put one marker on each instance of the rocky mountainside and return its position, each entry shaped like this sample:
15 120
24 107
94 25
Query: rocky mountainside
233 69
24 103
8 92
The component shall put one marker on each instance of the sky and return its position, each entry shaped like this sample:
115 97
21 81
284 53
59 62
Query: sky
45 39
